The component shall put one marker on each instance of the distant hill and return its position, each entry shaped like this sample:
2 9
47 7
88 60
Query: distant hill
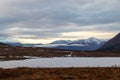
20 44
113 44
61 42
3 44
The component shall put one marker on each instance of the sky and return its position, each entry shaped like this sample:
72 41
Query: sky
44 21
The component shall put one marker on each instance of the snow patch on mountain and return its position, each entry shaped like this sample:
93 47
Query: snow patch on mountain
90 41
82 44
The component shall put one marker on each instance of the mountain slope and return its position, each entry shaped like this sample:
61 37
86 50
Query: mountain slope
113 44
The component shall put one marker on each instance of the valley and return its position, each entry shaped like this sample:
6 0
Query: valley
41 63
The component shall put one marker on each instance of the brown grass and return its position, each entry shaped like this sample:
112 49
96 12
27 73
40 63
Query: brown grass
60 74
15 53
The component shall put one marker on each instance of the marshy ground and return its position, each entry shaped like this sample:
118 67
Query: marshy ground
60 74
18 53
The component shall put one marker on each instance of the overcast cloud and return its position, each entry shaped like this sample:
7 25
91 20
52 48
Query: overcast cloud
50 19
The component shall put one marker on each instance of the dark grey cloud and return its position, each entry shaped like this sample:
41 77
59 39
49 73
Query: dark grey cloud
113 27
51 18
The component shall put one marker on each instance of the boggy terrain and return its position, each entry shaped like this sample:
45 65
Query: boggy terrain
14 53
60 74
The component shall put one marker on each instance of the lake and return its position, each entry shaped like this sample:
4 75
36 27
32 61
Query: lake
62 62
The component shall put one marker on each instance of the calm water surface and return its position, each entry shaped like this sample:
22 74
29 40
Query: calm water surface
62 62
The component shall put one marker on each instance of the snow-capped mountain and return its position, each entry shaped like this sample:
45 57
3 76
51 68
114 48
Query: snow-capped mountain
89 41
82 44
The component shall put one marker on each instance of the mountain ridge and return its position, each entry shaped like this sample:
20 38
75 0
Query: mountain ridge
82 44
91 43
93 40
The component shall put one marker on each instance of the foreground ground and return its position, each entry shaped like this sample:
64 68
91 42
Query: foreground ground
60 74
15 53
